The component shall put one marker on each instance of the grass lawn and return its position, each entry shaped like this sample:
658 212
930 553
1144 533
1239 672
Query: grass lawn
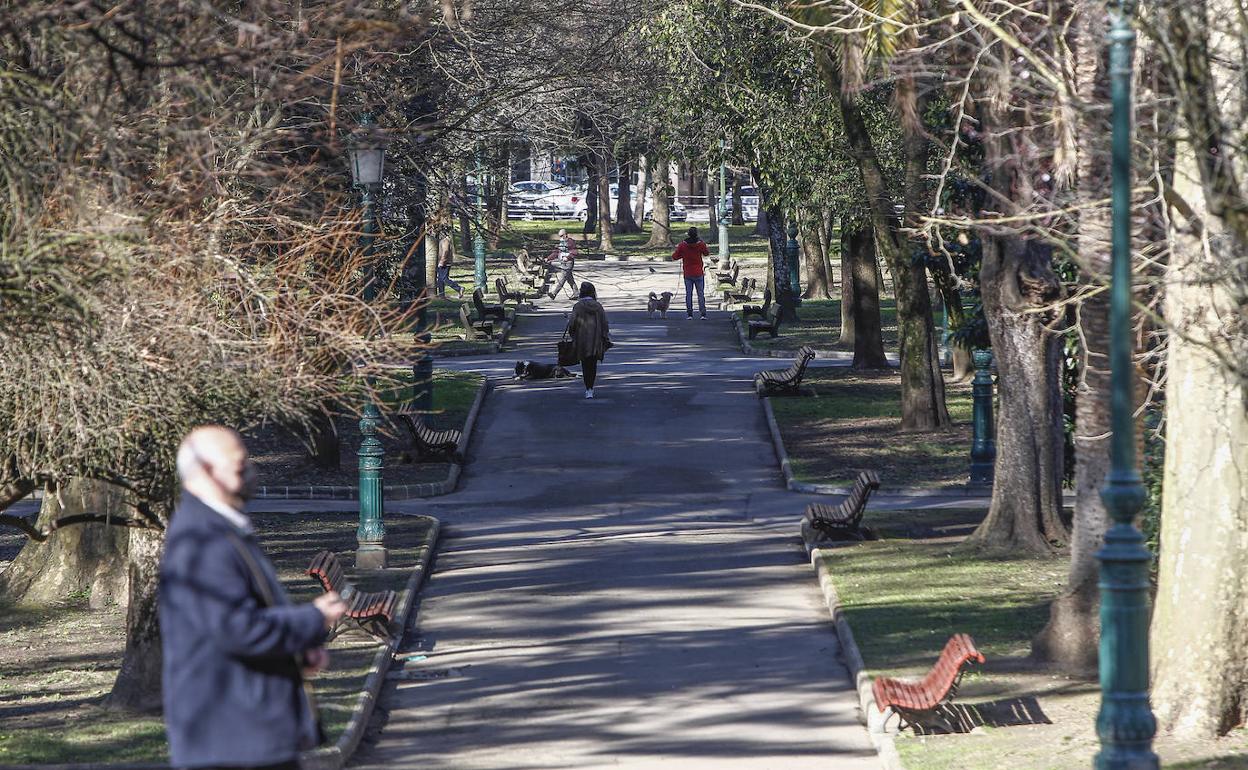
904 598
819 326
854 423
57 663
283 461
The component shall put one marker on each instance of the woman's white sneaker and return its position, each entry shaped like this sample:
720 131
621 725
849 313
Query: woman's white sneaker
589 393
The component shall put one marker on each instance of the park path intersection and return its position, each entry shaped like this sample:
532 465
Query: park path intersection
619 582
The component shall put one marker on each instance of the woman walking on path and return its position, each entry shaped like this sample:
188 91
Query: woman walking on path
588 328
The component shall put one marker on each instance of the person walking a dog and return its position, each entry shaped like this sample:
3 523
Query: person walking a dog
563 258
590 334
690 252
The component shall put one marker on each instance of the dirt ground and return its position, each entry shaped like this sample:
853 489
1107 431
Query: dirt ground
57 663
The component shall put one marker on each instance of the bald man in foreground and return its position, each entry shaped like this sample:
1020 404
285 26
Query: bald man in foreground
236 651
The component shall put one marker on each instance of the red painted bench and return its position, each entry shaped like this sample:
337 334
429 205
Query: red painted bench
371 612
911 701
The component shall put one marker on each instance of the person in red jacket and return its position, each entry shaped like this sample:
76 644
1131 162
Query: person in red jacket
690 252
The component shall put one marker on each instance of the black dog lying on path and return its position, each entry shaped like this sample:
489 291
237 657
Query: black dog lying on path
534 370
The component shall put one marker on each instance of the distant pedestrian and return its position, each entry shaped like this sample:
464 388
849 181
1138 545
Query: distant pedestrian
563 258
690 252
588 327
444 276
235 650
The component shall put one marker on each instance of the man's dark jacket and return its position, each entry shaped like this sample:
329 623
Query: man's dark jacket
232 688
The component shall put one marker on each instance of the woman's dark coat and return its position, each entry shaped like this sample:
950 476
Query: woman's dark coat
588 327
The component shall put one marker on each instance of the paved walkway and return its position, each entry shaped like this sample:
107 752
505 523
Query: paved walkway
620 581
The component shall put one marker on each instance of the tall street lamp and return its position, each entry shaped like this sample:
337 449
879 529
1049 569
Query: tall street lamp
367 158
367 153
1125 723
723 205
478 240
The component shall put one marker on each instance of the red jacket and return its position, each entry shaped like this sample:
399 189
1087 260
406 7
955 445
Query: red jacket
691 254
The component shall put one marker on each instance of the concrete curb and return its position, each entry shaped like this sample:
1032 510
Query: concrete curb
335 757
392 491
808 487
329 757
868 714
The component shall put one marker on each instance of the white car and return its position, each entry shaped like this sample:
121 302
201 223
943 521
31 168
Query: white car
675 209
543 200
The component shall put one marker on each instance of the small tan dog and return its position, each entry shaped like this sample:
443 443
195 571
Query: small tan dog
658 304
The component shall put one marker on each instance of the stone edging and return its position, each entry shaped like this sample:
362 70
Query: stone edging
869 715
329 757
335 757
793 485
392 491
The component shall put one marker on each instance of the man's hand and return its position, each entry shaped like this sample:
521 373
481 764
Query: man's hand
315 661
331 606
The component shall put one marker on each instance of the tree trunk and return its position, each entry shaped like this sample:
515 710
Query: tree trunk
643 184
624 221
1199 635
1016 280
85 559
604 206
922 382
817 281
324 446
863 275
1071 637
963 367
712 206
137 687
777 240
591 196
848 234
660 221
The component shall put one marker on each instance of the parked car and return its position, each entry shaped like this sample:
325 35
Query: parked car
749 203
676 210
543 200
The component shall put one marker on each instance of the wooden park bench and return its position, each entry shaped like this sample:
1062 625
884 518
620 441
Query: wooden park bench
745 294
428 445
788 380
915 702
725 270
843 521
372 613
730 277
770 322
758 310
506 295
474 330
486 312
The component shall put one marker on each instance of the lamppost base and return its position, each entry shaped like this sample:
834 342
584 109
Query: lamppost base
981 475
371 556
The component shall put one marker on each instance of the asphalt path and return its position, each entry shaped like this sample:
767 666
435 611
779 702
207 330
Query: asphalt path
620 581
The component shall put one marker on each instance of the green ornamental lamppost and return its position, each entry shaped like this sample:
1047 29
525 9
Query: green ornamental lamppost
983 437
791 249
723 205
370 536
1125 722
367 157
478 240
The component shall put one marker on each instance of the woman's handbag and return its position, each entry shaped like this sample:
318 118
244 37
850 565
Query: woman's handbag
567 348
